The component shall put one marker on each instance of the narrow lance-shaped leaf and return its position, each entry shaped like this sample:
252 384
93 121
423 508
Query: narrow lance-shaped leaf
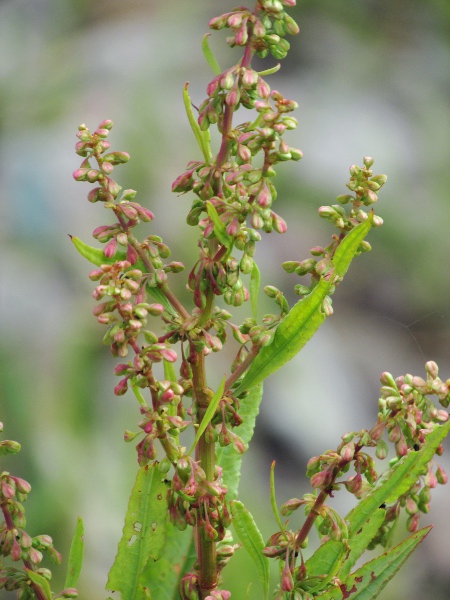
358 542
255 282
273 498
252 541
270 71
144 535
211 59
76 556
226 456
368 581
325 563
305 317
219 227
96 257
398 480
171 375
200 136
42 582
210 411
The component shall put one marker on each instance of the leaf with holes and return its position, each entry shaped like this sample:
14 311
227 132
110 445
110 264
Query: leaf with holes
144 534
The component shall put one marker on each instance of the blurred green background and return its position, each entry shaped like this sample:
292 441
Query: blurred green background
371 78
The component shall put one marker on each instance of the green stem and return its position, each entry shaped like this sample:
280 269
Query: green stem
205 454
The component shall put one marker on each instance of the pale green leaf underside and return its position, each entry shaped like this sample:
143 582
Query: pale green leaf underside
210 58
219 228
209 414
202 137
398 480
227 457
143 536
305 317
255 282
368 581
41 582
163 575
252 541
75 556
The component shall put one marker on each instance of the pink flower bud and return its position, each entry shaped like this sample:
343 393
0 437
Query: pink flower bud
80 174
111 248
35 556
441 476
145 214
262 89
106 124
121 387
279 224
169 354
23 486
287 582
241 36
16 551
69 593
7 490
233 97
132 255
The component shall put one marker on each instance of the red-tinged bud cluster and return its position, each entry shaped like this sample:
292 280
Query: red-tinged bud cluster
364 184
15 543
264 30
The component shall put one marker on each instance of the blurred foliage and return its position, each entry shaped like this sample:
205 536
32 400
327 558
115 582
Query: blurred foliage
372 78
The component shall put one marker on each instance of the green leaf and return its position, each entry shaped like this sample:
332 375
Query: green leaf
210 412
211 59
41 582
252 541
219 227
359 541
163 575
144 535
157 294
75 556
273 498
169 372
270 71
255 282
202 139
170 375
368 581
226 456
326 560
398 480
305 317
97 257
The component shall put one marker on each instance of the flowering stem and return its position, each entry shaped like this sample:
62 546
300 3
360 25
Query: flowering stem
164 287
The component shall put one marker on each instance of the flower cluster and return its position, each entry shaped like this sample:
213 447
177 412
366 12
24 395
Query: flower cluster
233 196
407 414
16 544
263 29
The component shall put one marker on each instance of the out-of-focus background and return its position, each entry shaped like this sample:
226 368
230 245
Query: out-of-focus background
371 78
